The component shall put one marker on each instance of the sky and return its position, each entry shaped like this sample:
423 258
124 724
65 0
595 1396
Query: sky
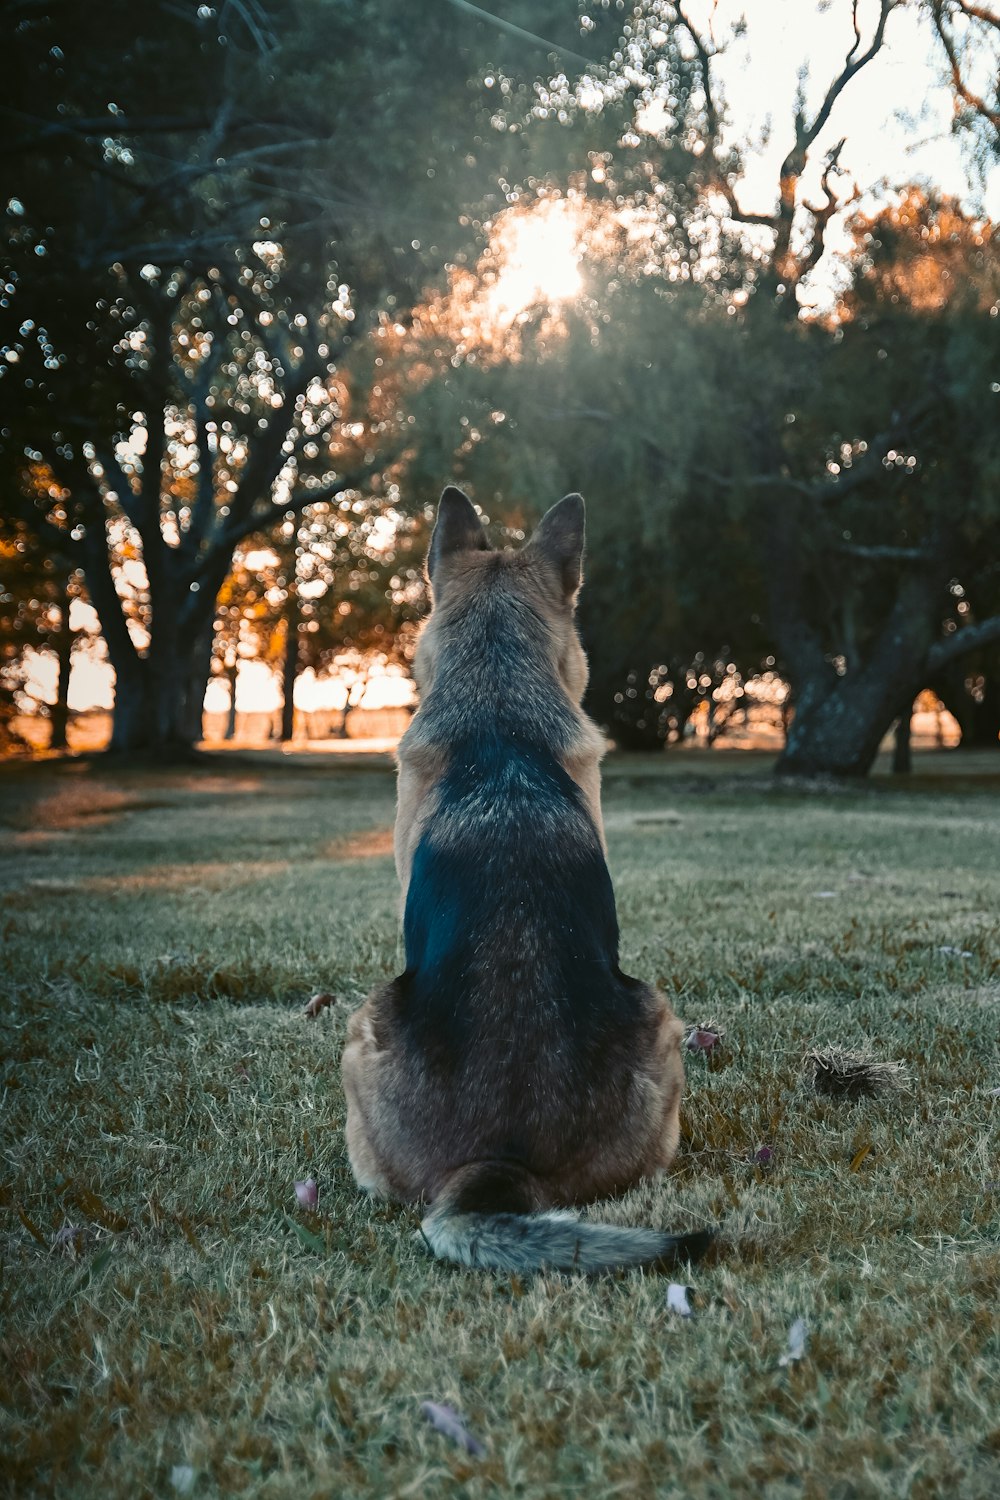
896 113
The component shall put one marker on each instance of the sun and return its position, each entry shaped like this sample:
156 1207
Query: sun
537 252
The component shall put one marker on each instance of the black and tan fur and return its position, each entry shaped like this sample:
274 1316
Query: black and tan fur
512 1069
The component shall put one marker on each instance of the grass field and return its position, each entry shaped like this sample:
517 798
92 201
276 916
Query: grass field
174 1322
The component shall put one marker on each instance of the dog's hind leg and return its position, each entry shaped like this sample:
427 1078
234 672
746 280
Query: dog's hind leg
665 1071
360 1070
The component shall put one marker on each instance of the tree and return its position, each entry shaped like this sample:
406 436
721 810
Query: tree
36 595
792 477
855 612
332 584
185 294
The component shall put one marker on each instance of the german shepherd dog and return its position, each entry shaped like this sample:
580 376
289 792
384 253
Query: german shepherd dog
512 1069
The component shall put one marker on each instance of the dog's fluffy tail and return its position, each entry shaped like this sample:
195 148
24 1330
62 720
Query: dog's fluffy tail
487 1216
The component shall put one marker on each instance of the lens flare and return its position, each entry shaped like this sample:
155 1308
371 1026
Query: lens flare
538 256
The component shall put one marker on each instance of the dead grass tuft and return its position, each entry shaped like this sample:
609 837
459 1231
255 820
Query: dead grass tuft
853 1075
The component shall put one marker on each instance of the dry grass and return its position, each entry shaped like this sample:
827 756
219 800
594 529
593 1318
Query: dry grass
162 1093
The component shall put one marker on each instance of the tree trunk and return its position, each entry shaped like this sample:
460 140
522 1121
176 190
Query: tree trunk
985 717
902 747
841 721
978 721
232 672
290 668
159 712
64 654
194 682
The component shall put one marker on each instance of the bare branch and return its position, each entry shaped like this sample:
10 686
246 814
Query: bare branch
857 32
962 89
713 122
853 64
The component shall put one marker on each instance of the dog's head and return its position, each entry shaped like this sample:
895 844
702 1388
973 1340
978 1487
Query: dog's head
545 576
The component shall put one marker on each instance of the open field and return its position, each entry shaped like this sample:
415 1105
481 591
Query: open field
193 1330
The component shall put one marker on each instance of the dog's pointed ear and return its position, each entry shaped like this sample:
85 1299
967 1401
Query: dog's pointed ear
457 529
559 538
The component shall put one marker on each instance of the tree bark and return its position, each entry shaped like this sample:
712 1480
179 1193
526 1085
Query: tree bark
840 724
59 718
902 747
290 666
232 672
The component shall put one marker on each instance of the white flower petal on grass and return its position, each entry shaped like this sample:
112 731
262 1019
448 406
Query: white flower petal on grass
447 1420
824 895
68 1240
797 1336
703 1036
677 1299
317 1005
182 1478
950 952
307 1192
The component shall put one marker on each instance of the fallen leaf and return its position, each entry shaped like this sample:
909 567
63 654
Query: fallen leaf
860 1155
307 1192
445 1419
317 1004
797 1335
677 1299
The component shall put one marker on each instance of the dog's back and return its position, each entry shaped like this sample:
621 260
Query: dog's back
512 991
517 1067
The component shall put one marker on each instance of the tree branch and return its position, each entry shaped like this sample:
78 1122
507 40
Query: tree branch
853 64
713 123
961 642
833 487
130 503
104 595
962 89
884 554
518 31
204 504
